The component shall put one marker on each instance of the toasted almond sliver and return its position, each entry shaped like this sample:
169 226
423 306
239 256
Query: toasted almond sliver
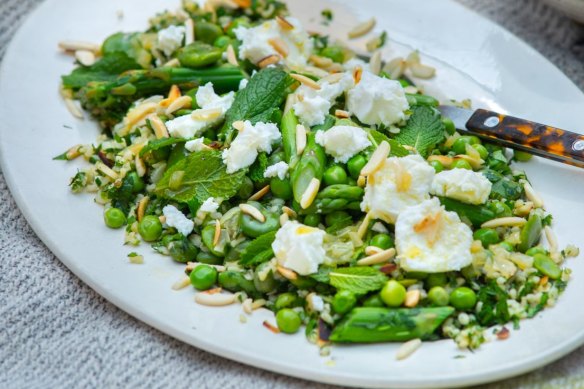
362 29
284 219
280 46
364 226
474 163
159 127
375 62
290 101
532 195
269 60
422 71
174 93
258 304
246 305
206 114
290 212
140 166
378 258
321 62
332 78
284 24
178 103
395 68
260 193
300 139
472 152
214 300
253 212
73 152
310 193
136 115
408 348
377 159
182 283
217 234
162 219
372 250
193 265
443 159
309 82
173 63
231 57
102 167
85 57
190 31
79 45
238 125
412 298
271 327
551 239
141 210
73 108
505 222
287 273
342 114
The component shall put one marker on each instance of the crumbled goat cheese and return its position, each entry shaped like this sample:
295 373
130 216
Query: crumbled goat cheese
248 143
343 142
176 219
195 145
170 39
300 248
279 170
462 184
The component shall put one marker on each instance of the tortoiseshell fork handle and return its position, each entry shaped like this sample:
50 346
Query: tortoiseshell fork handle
545 141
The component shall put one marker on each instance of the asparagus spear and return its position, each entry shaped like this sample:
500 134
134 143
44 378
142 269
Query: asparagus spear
288 127
369 324
310 165
476 214
336 198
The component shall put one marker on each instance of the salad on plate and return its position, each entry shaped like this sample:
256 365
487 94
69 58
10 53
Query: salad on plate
284 171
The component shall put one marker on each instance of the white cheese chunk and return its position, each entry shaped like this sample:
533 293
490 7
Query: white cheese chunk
189 126
209 206
279 170
299 248
170 39
195 145
462 184
430 239
343 142
397 184
248 143
176 219
377 100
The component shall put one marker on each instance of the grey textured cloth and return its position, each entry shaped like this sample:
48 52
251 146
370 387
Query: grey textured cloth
56 332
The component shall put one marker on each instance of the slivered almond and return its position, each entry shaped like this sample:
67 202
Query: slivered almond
189 31
300 139
173 63
474 163
342 114
246 305
472 152
332 78
253 212
321 62
73 152
73 108
193 265
362 29
231 57
289 211
364 226
243 3
173 94
375 259
239 125
182 283
217 234
260 193
179 103
284 24
505 222
375 62
310 193
271 327
162 219
422 71
159 127
214 300
258 304
305 81
142 204
140 166
371 250
136 115
284 219
395 68
206 114
443 159
286 273
377 159
413 58
290 101
357 74
269 60
551 238
412 298
102 167
408 348
314 71
532 195
280 46
85 57
79 45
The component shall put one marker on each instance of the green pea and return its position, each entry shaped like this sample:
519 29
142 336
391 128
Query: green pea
461 164
209 258
459 145
436 279
288 321
222 42
536 250
507 246
287 300
374 301
114 218
336 217
483 152
137 182
521 156
335 175
463 298
355 165
547 266
487 236
183 250
199 55
207 32
312 220
268 283
150 228
393 294
449 125
335 53
383 241
281 188
246 188
344 301
203 277
437 165
438 296
208 236
253 227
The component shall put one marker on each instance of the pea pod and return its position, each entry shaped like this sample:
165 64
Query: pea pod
199 55
530 233
288 128
370 324
416 99
311 165
476 214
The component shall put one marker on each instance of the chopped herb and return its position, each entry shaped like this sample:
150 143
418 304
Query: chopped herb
327 16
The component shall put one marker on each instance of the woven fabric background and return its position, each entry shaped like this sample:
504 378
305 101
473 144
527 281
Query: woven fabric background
55 332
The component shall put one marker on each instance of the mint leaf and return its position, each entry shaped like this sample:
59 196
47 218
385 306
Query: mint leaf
259 250
257 170
106 69
258 101
358 280
204 176
423 130
396 149
156 144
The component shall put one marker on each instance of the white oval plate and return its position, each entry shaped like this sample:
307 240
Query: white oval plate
494 68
